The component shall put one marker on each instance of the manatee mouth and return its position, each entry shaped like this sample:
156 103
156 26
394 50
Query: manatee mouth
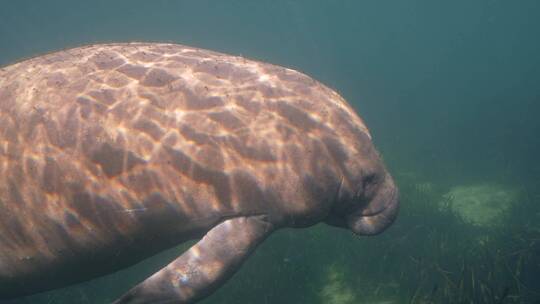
378 216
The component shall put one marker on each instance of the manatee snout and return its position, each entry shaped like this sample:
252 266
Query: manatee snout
378 213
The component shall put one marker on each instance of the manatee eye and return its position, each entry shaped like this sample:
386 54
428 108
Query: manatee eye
369 178
369 184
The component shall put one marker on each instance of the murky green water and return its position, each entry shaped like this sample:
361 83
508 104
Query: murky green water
451 93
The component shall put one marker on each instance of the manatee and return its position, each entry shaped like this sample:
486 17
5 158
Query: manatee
111 153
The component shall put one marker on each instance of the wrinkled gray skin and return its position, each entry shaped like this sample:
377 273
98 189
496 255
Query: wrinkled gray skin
112 153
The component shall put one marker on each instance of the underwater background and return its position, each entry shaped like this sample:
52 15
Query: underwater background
451 93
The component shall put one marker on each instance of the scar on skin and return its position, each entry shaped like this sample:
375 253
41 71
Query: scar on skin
134 210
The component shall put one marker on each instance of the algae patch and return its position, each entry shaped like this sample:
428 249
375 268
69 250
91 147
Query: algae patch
482 205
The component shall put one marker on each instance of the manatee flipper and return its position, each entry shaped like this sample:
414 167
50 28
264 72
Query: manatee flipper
205 266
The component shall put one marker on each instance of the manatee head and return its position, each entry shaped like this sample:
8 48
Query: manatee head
367 199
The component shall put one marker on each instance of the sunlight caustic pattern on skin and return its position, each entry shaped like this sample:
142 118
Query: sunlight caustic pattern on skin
139 129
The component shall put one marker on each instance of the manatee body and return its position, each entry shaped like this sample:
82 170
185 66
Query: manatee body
112 153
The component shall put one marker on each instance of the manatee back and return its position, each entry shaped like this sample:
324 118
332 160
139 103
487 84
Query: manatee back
92 132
